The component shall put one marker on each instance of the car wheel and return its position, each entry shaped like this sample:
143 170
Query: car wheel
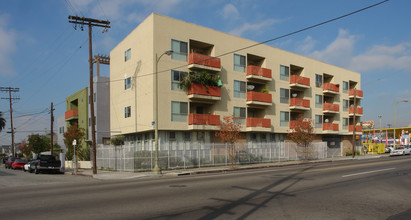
36 171
30 170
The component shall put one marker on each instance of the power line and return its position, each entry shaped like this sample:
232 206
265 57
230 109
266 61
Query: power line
270 40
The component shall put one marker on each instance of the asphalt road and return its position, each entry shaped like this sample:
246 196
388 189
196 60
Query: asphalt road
366 189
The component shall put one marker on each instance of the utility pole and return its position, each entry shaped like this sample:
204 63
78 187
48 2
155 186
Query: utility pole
10 90
52 121
90 23
103 59
353 129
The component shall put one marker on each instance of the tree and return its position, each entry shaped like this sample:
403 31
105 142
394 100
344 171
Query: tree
302 133
2 122
74 132
117 141
25 148
38 143
229 133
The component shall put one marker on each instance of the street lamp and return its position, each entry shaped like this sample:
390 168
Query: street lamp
157 169
395 104
379 117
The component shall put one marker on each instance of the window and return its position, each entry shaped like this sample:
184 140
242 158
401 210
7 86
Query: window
345 87
127 112
318 101
318 80
284 96
200 135
239 89
187 135
61 130
254 136
239 63
172 135
345 123
176 77
318 121
284 119
284 73
179 50
127 83
179 111
263 137
345 105
240 113
127 54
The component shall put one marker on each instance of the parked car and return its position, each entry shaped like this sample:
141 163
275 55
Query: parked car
45 163
18 164
26 166
400 151
9 162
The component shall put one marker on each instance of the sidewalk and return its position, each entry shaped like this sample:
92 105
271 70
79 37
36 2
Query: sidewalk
122 175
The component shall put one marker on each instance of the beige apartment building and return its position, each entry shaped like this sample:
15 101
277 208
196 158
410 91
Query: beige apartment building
268 88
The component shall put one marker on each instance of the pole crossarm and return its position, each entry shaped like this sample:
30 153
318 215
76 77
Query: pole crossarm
88 21
103 59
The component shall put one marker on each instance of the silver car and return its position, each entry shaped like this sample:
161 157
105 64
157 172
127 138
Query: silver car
400 151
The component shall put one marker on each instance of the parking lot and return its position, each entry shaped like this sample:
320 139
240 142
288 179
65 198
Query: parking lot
13 178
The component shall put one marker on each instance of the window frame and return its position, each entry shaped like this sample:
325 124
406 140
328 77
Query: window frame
127 55
240 112
319 105
177 53
177 84
345 87
180 116
240 67
345 123
286 98
127 83
318 121
318 83
346 105
286 121
127 112
284 75
237 90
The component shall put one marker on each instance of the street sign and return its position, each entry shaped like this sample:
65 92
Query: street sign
153 123
74 142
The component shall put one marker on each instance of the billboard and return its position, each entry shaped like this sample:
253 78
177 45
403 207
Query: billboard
367 124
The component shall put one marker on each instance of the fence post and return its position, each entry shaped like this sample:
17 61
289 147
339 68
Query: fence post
199 154
184 154
226 155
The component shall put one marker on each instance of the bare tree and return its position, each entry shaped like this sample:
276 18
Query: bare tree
302 133
229 133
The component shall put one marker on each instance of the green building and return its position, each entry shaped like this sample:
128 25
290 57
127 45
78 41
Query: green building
77 110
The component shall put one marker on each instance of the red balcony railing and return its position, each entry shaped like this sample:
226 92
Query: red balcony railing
359 94
358 111
331 87
199 89
296 79
259 96
331 107
196 58
293 124
258 71
300 102
358 128
330 127
71 113
203 119
259 122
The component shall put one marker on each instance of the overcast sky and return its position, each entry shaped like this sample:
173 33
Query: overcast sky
42 54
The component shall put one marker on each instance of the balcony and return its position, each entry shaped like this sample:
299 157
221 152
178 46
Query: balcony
359 94
258 124
299 104
329 88
299 82
203 122
258 73
293 124
358 128
71 114
200 93
331 108
330 128
204 62
358 111
259 99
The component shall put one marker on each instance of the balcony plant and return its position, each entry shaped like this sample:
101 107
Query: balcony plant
265 90
203 78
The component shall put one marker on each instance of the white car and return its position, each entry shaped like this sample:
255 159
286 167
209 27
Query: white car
400 151
26 167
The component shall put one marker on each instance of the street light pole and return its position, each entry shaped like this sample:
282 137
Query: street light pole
157 169
395 111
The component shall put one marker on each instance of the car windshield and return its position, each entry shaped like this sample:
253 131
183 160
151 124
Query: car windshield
400 148
20 160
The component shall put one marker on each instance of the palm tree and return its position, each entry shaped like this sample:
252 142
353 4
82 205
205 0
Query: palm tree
2 122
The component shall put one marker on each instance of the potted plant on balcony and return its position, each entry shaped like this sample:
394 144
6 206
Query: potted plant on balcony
203 78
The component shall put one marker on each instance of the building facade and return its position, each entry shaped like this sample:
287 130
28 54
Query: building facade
77 110
266 87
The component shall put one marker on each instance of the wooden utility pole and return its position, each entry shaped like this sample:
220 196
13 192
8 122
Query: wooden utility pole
10 90
90 23
52 121
353 129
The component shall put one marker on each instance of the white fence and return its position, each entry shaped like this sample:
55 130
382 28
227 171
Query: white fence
140 157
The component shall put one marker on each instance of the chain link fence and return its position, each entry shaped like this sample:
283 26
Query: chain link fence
140 157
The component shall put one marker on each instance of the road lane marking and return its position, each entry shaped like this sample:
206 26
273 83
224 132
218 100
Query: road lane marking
373 171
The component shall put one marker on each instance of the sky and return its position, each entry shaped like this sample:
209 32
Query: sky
47 59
